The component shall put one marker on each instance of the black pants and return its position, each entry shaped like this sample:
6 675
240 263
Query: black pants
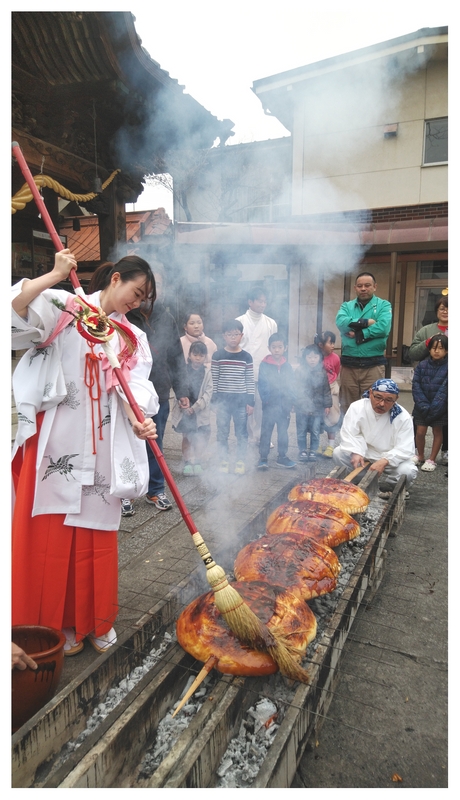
157 481
271 416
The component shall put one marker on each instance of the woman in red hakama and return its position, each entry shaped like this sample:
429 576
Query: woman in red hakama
70 474
63 577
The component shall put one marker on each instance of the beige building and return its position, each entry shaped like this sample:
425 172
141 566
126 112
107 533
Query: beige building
369 128
369 191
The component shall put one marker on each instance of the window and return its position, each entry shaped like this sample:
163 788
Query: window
433 271
435 141
432 280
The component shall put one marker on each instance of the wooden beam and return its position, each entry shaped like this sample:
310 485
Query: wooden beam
112 227
75 173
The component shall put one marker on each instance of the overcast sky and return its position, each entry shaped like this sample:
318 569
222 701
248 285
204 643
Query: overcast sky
216 51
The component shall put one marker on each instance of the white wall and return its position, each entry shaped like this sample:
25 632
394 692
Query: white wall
341 159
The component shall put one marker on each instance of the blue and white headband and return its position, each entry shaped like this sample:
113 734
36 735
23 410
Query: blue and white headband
387 385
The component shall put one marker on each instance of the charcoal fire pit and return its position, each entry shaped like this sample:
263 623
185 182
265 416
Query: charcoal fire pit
57 748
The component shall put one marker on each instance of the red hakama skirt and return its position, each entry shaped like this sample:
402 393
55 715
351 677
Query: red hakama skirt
62 576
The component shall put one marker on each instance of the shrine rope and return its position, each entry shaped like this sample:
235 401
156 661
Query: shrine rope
24 195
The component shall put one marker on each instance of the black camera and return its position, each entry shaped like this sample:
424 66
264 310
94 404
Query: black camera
357 327
359 324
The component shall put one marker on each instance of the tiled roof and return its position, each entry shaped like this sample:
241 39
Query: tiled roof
84 243
146 223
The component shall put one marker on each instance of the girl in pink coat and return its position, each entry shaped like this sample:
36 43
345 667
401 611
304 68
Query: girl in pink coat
193 332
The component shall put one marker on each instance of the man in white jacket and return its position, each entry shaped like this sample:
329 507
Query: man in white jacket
257 329
377 429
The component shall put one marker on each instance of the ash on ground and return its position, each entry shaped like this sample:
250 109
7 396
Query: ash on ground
114 696
246 752
170 728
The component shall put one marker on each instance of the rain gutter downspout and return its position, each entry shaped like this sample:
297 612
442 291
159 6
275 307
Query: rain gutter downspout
402 308
392 299
319 310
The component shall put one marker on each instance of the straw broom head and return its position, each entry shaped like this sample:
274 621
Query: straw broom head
246 626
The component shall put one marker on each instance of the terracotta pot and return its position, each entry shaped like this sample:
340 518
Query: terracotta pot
32 689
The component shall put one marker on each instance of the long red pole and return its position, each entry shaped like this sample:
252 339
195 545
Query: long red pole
17 152
238 615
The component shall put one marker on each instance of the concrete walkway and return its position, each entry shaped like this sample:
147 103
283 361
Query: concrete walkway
389 713
388 717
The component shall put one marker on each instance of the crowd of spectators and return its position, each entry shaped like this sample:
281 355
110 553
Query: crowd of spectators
246 380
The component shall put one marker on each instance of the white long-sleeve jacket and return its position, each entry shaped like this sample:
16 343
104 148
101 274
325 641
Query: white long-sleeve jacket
71 479
257 329
374 436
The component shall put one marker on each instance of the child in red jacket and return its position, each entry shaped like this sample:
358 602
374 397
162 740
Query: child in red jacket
331 363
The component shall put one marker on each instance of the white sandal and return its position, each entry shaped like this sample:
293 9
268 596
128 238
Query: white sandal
71 646
103 643
428 466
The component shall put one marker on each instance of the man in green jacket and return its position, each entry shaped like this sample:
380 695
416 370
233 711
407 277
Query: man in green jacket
364 325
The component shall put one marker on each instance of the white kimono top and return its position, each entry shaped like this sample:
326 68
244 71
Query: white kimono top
373 435
257 329
70 478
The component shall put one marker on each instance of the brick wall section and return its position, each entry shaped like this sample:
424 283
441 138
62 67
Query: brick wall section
397 214
427 211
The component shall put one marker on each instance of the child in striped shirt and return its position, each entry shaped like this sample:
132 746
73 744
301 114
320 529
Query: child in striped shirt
233 394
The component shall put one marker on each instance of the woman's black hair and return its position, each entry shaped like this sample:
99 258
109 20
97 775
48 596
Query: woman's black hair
441 338
189 314
129 267
199 348
322 339
441 301
312 348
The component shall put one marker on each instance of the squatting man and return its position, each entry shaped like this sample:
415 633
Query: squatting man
377 429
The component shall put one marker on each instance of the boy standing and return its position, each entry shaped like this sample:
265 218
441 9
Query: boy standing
233 393
276 389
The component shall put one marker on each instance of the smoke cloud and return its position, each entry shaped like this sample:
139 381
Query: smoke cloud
344 112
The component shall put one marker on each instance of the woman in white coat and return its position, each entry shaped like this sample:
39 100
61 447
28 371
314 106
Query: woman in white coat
78 450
